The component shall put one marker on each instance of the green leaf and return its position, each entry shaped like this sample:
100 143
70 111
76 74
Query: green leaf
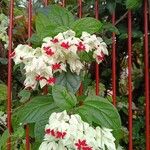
69 80
44 27
111 5
62 98
133 4
19 132
101 112
25 95
88 24
60 16
42 121
3 92
3 138
36 40
35 109
87 57
110 27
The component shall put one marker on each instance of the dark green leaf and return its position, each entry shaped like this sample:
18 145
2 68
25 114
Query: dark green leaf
87 57
100 111
3 138
35 109
40 124
111 5
24 95
62 98
3 92
88 24
69 80
60 16
110 27
133 4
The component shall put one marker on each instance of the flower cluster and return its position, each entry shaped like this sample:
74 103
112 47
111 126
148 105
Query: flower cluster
56 55
3 29
64 132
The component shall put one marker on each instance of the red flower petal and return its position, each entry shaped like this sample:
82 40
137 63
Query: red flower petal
54 40
65 45
51 80
48 131
56 66
81 46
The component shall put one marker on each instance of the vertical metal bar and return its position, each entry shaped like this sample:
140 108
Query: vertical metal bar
130 78
80 8
46 2
113 62
9 81
97 66
146 62
29 35
45 89
63 3
80 16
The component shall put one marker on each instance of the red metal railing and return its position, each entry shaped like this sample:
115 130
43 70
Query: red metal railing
9 90
147 93
130 78
97 65
146 62
113 62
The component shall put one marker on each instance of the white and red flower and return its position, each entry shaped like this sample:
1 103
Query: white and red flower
71 133
55 55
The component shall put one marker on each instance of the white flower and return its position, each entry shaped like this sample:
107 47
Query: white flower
70 132
57 55
3 118
22 53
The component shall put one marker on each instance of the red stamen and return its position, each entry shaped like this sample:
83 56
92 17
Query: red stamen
51 80
65 45
55 40
48 51
56 66
81 46
39 78
48 131
53 133
100 57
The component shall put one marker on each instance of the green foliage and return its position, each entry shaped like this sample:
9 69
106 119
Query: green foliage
133 4
3 97
3 138
3 92
88 24
87 57
69 80
62 98
101 112
34 109
24 95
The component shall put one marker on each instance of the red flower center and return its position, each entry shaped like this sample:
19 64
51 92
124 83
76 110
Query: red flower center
56 66
65 45
48 51
56 134
81 46
38 78
82 145
51 80
55 40
100 57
